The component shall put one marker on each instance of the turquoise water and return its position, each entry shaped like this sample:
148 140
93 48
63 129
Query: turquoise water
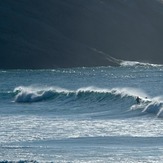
82 114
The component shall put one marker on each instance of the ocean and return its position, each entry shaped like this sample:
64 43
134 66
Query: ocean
82 115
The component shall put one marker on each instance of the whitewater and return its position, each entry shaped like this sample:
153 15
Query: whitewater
82 114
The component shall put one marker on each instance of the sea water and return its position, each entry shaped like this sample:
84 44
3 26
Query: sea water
82 115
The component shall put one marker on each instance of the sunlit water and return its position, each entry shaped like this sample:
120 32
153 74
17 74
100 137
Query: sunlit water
82 114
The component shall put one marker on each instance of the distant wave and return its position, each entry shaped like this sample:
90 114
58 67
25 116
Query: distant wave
124 63
91 95
136 63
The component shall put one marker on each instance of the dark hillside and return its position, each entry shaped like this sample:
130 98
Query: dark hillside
72 33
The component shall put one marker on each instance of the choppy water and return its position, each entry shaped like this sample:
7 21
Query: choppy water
82 114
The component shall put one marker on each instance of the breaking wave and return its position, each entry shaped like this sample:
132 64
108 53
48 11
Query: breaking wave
89 96
33 94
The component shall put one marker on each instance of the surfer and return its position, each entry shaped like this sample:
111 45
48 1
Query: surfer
138 100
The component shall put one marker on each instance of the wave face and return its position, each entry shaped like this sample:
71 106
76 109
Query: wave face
88 98
45 34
